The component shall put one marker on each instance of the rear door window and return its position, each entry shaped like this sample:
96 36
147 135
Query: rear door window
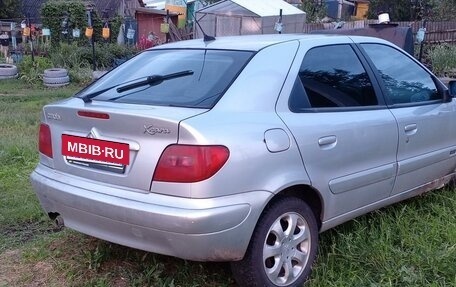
212 71
332 77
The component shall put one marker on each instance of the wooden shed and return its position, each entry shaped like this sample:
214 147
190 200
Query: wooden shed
149 21
361 9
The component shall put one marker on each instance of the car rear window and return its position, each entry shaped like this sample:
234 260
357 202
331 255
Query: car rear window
211 73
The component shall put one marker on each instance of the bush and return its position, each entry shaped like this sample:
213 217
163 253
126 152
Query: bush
32 71
68 56
443 60
78 60
105 54
82 75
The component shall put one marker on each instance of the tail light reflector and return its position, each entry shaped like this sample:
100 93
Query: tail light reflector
190 163
45 142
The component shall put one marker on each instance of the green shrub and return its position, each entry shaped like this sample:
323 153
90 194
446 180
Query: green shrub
68 56
32 71
443 60
106 54
81 75
78 60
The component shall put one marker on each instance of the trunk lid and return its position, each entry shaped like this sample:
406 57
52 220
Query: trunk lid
143 131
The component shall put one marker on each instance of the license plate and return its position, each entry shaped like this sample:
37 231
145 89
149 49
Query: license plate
95 149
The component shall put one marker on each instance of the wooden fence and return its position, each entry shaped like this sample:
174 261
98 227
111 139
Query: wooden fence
436 32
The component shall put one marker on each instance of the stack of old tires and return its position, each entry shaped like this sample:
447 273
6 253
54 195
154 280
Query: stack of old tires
56 77
8 71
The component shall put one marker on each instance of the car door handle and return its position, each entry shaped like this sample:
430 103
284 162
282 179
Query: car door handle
327 142
410 129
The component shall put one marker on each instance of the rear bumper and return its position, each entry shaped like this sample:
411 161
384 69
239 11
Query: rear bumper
215 229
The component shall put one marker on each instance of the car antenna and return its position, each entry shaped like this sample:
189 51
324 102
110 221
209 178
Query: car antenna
206 38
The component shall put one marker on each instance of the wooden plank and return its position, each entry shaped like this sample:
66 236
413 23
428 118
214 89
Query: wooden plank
436 32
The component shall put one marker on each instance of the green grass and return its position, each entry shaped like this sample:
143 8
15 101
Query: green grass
409 244
20 215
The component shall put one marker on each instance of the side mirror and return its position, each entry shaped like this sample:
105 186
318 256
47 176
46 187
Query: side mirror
452 88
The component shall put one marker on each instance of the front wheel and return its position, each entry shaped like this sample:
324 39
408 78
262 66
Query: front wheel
283 246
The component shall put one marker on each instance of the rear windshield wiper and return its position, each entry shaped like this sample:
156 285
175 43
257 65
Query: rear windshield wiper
154 80
150 80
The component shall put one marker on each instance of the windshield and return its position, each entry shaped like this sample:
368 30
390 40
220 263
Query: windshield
212 71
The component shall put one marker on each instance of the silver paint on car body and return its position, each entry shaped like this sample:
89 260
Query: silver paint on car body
276 140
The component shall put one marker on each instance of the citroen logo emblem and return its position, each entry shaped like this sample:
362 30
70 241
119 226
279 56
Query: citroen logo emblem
93 134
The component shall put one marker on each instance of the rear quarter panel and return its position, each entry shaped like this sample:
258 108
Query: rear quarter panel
239 121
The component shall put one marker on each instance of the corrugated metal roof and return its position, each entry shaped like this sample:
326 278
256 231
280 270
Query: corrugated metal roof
261 8
154 11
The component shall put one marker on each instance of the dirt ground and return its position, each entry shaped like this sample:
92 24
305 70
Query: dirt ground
14 271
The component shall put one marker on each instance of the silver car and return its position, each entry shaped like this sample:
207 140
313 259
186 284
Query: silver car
243 149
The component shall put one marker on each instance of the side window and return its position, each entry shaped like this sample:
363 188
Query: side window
405 81
332 76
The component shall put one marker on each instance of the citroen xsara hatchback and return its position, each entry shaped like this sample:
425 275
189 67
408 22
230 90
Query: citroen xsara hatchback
243 149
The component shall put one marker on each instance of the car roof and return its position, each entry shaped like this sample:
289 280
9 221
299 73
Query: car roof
257 42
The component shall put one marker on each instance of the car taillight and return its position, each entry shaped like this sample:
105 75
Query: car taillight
190 163
45 143
96 115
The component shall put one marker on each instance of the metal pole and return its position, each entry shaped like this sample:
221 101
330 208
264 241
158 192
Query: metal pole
280 20
93 54
422 43
31 38
92 41
339 9
167 21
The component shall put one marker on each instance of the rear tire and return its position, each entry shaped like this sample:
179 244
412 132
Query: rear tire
283 246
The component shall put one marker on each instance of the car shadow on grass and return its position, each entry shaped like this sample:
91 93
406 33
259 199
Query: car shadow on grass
19 234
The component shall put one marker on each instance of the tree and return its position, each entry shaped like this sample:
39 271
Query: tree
315 10
10 9
443 10
53 12
414 10
399 10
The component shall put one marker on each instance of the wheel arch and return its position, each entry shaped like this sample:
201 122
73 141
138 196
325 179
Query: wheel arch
306 193
246 271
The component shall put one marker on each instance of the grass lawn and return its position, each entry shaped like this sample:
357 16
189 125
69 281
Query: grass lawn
409 244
